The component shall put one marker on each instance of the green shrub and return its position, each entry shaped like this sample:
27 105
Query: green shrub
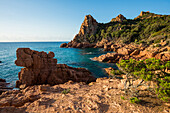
150 70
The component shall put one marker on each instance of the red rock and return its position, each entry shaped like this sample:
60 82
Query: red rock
109 57
125 51
45 70
88 27
51 54
63 45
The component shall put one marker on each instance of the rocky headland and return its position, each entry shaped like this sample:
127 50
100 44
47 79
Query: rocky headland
143 28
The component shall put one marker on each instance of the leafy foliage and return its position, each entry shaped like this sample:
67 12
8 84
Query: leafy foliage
150 70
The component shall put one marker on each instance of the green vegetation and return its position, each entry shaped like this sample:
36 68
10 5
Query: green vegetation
65 91
134 100
134 30
147 70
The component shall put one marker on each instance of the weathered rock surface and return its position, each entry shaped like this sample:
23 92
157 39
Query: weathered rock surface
102 96
109 57
42 68
88 27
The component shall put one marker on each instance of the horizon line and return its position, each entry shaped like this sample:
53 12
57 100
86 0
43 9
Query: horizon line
36 41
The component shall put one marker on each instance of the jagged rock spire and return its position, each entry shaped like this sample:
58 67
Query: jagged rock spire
88 27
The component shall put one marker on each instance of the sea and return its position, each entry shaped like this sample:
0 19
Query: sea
71 56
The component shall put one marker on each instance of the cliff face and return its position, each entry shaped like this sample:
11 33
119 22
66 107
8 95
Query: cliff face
88 27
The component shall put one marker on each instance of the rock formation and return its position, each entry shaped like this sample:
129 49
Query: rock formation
88 27
42 68
135 51
119 18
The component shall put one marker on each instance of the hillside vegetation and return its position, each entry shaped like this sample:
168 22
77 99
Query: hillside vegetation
143 27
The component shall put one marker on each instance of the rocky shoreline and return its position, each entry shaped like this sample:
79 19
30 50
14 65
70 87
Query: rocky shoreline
72 93
135 51
45 86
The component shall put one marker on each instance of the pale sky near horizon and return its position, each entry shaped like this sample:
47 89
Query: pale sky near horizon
60 20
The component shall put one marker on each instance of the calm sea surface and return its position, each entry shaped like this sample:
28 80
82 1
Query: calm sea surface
71 56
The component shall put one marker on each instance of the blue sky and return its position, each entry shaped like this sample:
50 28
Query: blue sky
57 20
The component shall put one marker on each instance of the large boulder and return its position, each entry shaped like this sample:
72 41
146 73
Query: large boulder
63 45
42 68
125 51
109 57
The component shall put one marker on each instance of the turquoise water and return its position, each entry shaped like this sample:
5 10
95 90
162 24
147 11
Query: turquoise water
71 56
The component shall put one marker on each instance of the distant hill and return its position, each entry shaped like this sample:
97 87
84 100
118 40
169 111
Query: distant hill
145 26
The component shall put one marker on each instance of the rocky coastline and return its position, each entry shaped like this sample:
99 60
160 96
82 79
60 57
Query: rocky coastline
135 51
77 90
45 86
